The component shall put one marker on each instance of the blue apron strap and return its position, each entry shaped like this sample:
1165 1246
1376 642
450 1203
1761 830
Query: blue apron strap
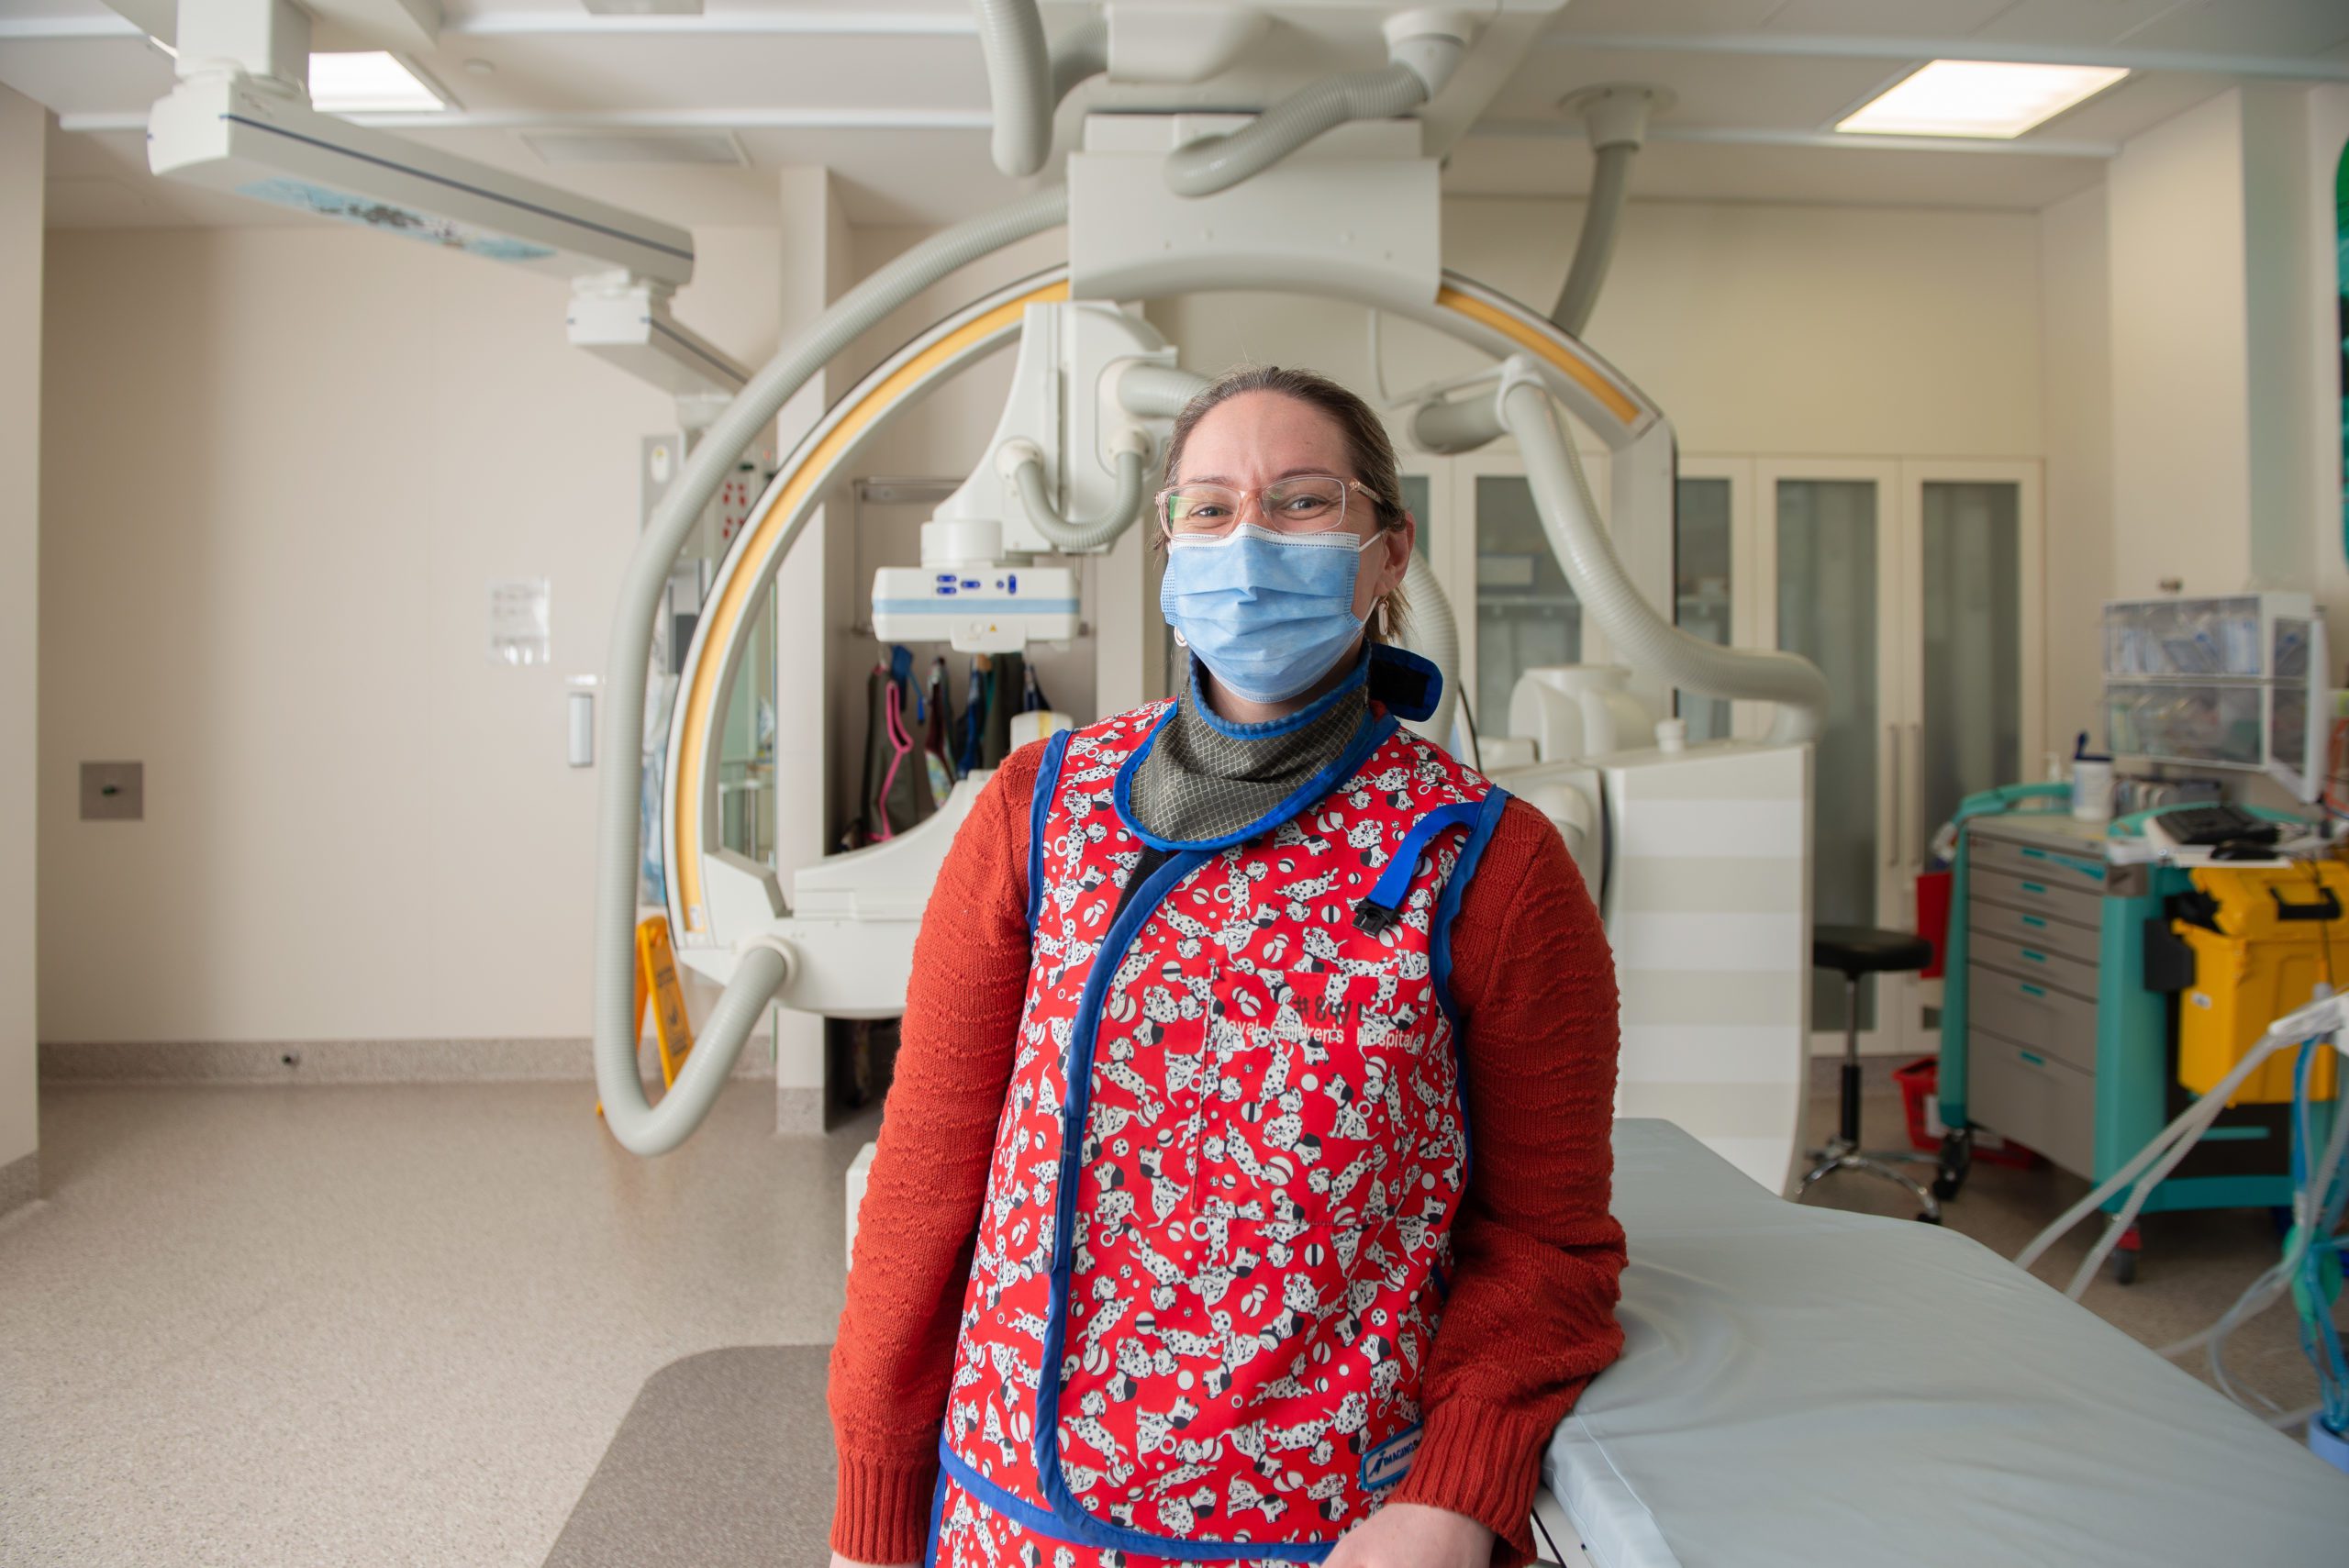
1382 908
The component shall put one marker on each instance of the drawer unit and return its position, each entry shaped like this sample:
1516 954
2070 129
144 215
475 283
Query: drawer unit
2080 873
2046 965
2029 1010
2033 1098
2031 929
2038 895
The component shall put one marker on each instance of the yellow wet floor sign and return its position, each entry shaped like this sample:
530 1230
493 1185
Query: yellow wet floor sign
656 981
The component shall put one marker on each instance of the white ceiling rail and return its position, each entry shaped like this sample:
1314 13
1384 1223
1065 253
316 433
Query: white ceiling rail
862 22
1826 46
979 119
1760 136
49 29
583 24
614 119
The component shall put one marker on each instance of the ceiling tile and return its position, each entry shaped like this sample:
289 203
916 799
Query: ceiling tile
1885 18
2071 23
2248 26
1665 15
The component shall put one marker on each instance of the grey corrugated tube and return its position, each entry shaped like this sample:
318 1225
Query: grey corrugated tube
1157 392
1219 163
1019 82
1081 52
1634 629
1068 533
1433 634
640 1126
1601 217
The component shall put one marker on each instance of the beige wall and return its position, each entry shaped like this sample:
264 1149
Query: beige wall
2077 336
281 466
2181 457
1759 329
22 129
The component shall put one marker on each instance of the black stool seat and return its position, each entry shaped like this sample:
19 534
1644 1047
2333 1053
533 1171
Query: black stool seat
1854 951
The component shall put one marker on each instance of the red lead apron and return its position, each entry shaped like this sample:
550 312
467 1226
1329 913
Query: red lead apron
1218 1225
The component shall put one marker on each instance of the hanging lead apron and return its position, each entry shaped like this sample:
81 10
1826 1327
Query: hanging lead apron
1218 1226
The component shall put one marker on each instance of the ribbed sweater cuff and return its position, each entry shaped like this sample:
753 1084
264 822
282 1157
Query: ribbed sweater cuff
881 1509
1482 1461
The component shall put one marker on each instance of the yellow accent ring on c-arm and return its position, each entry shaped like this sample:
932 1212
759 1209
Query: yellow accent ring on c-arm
721 620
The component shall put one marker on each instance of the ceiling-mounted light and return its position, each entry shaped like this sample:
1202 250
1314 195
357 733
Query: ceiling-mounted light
369 83
1978 98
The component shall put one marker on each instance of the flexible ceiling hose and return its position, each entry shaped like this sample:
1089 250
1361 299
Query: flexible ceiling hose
1602 217
1434 633
1068 533
1158 392
1219 163
1638 634
1083 52
640 1126
1019 84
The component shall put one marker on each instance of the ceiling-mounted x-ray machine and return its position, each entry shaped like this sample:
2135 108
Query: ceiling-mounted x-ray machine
1325 184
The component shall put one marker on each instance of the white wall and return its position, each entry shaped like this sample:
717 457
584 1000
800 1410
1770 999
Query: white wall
1758 328
2077 335
269 519
23 130
2181 451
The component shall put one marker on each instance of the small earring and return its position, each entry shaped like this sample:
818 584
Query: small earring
1382 618
1180 640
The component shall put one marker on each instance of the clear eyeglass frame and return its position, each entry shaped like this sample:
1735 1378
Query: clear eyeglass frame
1269 498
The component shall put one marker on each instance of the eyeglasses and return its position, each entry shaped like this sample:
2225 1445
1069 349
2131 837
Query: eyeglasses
1302 504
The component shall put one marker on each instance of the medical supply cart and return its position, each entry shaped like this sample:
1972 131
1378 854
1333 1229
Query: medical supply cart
2051 1034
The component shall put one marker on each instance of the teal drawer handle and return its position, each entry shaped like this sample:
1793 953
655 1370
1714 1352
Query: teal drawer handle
2035 922
2030 990
2034 887
2034 957
2032 854
2032 1057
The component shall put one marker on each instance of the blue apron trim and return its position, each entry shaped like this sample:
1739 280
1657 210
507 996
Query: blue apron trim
1040 804
1381 906
1488 817
1408 685
937 1511
1287 722
1029 1516
1068 1520
1368 738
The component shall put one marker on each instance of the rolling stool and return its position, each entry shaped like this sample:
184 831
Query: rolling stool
1853 951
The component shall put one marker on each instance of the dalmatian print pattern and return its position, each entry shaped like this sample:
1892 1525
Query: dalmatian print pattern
1272 1153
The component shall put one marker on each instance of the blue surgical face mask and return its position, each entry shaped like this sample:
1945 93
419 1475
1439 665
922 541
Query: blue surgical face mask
1268 613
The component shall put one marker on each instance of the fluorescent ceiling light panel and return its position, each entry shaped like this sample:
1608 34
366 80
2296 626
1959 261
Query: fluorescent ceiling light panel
370 83
1978 98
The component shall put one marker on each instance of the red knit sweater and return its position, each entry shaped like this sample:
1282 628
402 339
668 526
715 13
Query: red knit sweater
1530 1319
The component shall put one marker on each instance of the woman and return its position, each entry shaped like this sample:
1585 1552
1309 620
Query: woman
1243 1187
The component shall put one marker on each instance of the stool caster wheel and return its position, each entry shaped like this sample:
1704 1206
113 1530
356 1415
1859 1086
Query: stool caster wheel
1945 1188
1929 1219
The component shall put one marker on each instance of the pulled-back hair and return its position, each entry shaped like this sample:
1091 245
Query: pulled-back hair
1367 450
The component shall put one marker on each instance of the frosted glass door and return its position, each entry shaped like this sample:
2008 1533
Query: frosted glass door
1832 552
1526 615
1969 729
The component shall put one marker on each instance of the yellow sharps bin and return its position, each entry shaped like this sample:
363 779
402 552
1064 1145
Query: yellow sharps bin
2268 936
